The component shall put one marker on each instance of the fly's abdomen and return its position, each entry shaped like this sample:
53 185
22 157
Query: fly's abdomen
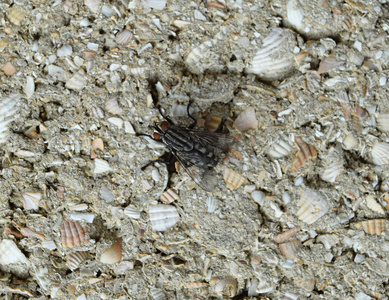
178 140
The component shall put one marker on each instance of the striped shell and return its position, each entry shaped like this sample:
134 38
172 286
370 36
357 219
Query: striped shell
233 179
291 248
380 154
374 226
282 147
306 152
72 234
123 37
383 121
312 206
75 259
163 217
169 196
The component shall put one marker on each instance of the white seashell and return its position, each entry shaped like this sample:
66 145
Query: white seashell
93 5
383 121
75 259
124 37
11 254
101 166
138 71
112 106
31 200
132 212
328 240
49 244
128 128
226 287
275 59
24 153
29 88
88 217
258 197
163 217
107 11
211 203
157 294
123 267
291 248
312 206
282 147
157 4
331 172
98 112
78 207
77 82
65 50
106 194
246 120
350 142
169 196
329 63
116 121
113 254
372 203
295 14
292 296
380 154
8 107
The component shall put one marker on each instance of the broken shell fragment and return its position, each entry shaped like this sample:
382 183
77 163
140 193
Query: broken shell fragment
169 196
226 287
123 37
329 63
9 69
31 200
163 217
132 212
233 179
380 154
282 147
77 82
11 254
246 120
383 121
101 166
312 206
374 226
112 255
112 106
72 234
16 16
287 234
291 248
372 203
306 152
75 259
332 171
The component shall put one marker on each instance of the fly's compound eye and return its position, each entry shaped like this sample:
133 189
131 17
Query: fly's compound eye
156 136
164 125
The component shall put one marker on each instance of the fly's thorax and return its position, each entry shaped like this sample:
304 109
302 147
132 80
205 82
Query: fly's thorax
177 139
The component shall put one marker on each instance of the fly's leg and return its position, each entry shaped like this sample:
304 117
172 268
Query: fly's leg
168 161
190 116
165 117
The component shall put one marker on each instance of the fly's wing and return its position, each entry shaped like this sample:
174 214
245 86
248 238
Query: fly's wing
204 177
212 140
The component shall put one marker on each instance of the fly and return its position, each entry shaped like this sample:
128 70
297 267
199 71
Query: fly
197 150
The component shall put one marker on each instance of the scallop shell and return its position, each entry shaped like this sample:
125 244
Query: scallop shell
282 147
75 259
169 196
163 217
112 106
383 121
226 287
306 152
113 254
132 212
98 112
77 82
8 107
72 234
246 120
233 179
275 59
101 166
16 16
124 37
49 244
332 171
11 254
312 206
291 248
31 200
287 234
372 203
374 226
380 154
9 69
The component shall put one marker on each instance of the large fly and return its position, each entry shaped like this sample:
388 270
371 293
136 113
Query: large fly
197 150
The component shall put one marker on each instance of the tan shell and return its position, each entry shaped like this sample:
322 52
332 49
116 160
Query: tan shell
233 179
214 123
9 69
16 16
291 248
374 226
372 203
332 171
306 152
112 255
287 234
72 234
246 120
312 206
75 259
226 287
169 196
123 37
307 284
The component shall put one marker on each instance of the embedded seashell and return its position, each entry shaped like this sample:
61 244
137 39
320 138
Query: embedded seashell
233 179
16 16
87 217
29 88
383 121
75 259
31 200
312 206
93 5
226 287
11 254
123 266
123 37
9 69
350 142
307 284
25 231
112 255
380 154
49 244
328 240
169 196
77 82
306 152
214 123
101 166
246 120
211 204
72 234
112 106
329 63
275 59
282 147
98 144
98 112
372 203
374 226
291 248
132 212
295 14
287 234
157 4
157 294
332 171
163 217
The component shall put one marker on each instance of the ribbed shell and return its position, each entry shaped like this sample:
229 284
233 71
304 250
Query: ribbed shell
8 107
72 234
306 152
383 121
312 206
374 226
282 147
380 154
169 196
233 179
291 248
11 254
163 217
332 171
75 259
123 37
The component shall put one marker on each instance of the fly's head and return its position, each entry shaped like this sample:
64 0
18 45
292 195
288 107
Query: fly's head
160 130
